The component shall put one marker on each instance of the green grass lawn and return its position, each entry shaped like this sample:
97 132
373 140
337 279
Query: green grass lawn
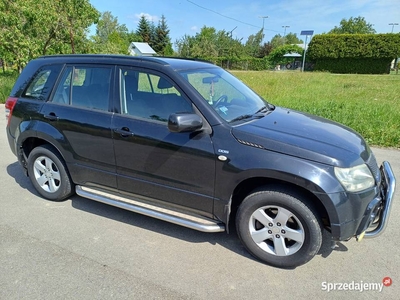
370 104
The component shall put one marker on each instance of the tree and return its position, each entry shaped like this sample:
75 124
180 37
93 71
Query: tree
277 41
145 29
112 37
162 41
132 37
356 25
290 38
227 46
209 43
205 45
184 45
78 15
107 25
30 28
253 43
265 49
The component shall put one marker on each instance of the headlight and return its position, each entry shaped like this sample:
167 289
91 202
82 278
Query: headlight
355 179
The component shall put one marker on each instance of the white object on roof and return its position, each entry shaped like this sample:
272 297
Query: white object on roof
141 49
295 54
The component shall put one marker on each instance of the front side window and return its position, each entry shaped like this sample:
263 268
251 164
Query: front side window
150 96
87 87
230 97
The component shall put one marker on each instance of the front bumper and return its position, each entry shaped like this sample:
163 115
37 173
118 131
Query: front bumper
378 211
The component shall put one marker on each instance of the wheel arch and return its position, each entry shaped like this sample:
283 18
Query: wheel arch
250 185
32 135
31 143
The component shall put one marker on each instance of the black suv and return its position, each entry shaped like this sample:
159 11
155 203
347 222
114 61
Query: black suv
186 142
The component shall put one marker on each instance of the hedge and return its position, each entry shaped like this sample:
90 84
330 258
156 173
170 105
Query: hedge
354 65
354 53
247 63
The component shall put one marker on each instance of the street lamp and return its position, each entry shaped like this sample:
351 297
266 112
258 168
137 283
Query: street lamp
264 17
284 33
393 24
285 26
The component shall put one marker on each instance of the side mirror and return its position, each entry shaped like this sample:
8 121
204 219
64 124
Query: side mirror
184 122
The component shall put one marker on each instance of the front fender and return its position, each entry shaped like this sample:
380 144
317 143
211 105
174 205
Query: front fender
317 178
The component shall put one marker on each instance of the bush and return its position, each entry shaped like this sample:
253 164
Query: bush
277 55
7 81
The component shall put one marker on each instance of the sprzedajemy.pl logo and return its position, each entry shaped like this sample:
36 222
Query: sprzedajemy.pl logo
360 286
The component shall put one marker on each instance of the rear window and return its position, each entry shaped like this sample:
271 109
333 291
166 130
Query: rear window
42 82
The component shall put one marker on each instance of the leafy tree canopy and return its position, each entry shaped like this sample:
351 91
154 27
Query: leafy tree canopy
356 25
253 43
29 28
108 25
290 38
209 43
111 36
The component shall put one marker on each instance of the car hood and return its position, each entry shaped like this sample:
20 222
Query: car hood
303 135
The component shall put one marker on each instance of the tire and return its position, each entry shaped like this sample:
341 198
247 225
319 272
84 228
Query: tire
277 227
48 173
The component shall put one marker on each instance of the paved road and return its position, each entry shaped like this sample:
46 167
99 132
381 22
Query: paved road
80 249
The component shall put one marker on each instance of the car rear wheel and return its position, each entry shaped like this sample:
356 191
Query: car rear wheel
48 173
277 227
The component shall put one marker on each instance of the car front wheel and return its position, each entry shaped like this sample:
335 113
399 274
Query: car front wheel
277 227
48 173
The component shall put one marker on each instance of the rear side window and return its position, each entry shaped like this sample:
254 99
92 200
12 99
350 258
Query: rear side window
42 82
84 86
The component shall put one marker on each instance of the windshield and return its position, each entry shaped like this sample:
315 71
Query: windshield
231 98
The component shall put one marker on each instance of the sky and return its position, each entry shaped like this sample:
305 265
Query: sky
243 18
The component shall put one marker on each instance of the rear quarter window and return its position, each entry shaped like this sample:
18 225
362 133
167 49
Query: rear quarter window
42 83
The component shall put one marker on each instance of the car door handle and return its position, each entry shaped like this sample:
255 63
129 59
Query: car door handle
51 116
124 131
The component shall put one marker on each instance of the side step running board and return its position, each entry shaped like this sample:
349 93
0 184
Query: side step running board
179 218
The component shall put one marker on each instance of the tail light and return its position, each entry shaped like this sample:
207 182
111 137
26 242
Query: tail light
10 103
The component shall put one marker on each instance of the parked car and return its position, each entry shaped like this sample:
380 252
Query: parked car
186 142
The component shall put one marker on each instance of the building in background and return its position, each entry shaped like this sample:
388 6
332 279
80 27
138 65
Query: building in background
141 49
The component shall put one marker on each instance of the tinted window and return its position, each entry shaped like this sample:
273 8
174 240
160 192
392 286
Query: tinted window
84 87
150 96
41 83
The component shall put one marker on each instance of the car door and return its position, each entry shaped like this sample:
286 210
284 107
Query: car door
78 117
152 162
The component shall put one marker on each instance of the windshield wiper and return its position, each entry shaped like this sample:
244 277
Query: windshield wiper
266 108
262 109
256 115
248 116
